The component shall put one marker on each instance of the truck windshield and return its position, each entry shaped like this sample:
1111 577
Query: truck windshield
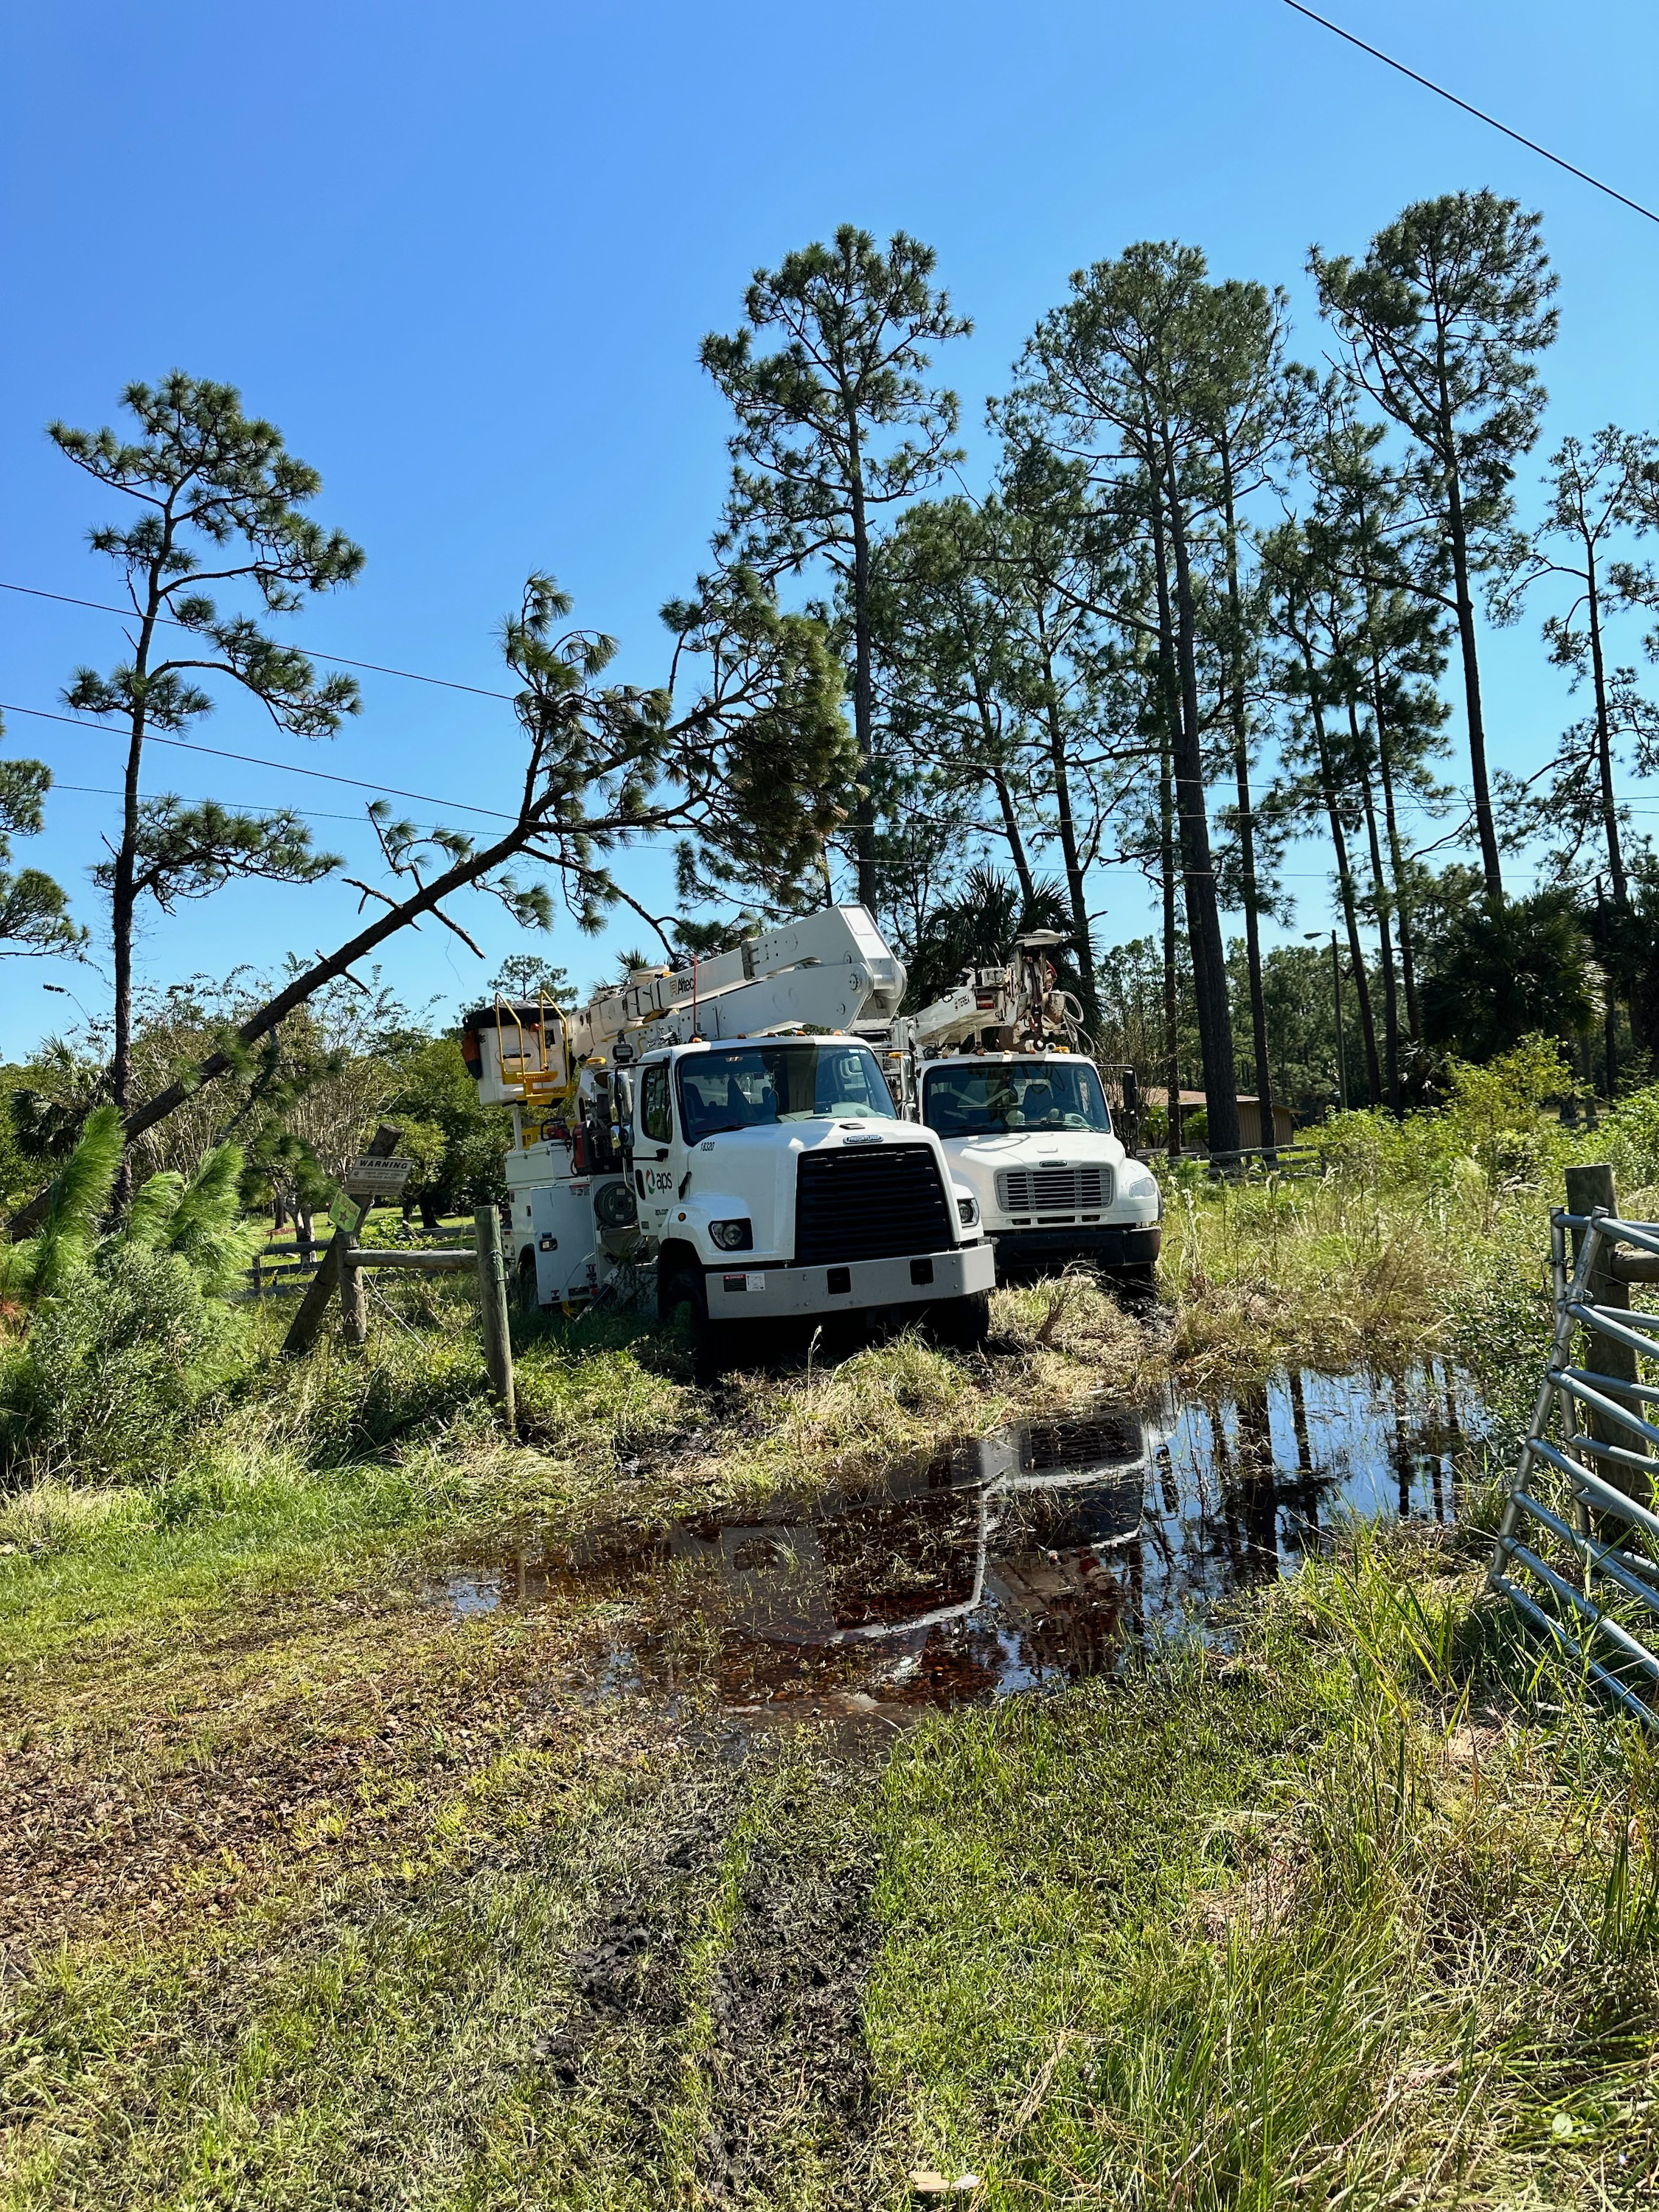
1005 1096
746 1086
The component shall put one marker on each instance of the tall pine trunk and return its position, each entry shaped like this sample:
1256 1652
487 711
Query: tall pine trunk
1382 903
1215 1027
1396 858
998 775
1059 770
1240 735
1171 978
1604 743
863 831
1457 530
124 891
1610 826
1011 830
1345 878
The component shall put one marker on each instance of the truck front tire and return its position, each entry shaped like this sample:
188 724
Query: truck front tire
963 1323
686 1289
679 1288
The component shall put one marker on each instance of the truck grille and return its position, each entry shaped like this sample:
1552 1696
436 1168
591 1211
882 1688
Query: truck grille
868 1202
1053 1190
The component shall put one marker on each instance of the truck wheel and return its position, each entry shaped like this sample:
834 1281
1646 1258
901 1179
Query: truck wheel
964 1323
684 1292
684 1287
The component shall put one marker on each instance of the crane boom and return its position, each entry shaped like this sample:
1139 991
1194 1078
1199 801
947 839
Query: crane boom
828 971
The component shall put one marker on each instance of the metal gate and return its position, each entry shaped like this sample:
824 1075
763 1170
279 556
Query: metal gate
1577 1547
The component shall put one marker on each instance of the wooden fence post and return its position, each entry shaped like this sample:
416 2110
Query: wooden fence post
1587 1188
314 1307
353 1293
492 1307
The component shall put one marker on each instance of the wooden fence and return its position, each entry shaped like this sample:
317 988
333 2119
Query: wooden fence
341 1266
283 1269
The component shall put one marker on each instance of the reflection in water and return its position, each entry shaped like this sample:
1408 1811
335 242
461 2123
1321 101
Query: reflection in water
1027 1559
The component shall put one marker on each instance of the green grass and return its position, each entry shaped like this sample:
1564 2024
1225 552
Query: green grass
1349 1910
318 1899
1343 1917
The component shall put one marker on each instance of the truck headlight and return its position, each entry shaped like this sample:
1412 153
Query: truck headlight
969 1209
733 1236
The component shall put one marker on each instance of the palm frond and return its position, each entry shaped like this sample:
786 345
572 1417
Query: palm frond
79 1198
206 1228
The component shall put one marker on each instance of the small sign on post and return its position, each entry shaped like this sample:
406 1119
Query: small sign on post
376 1178
343 1213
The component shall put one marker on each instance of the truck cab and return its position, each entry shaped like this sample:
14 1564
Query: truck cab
760 1178
720 1130
1030 1132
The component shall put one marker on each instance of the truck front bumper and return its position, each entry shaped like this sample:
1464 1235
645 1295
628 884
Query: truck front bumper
1112 1244
775 1293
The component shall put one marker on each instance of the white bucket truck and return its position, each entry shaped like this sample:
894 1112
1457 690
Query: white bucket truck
723 1125
994 1071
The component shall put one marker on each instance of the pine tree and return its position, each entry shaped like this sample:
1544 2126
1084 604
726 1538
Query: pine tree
1442 318
1597 498
1255 406
1127 376
834 425
1387 639
942 635
34 916
220 501
1314 612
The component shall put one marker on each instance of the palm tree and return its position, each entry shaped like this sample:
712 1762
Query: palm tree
978 926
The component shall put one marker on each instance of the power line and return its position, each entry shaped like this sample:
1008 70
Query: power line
283 768
1479 115
113 790
377 668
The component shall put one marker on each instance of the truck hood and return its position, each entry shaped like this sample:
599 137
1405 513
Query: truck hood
808 1136
752 1171
1031 1147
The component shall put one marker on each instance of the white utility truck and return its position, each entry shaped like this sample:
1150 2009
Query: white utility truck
723 1124
995 1071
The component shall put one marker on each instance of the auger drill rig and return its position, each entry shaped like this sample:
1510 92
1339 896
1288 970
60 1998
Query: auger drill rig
997 1071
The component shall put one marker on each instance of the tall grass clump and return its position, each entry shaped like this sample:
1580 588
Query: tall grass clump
1422 1236
1357 1914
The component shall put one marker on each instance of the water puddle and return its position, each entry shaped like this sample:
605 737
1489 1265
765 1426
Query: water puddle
1025 1560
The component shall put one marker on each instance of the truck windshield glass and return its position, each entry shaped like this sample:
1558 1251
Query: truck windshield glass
749 1085
1012 1095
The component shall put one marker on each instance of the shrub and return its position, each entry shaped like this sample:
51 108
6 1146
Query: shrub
113 1369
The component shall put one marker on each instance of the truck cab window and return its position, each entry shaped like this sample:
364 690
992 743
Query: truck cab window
656 1120
1007 1095
750 1086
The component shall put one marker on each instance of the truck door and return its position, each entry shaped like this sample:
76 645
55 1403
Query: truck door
653 1181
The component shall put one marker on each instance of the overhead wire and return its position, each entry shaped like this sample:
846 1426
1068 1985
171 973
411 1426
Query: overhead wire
1468 108
338 659
251 806
281 768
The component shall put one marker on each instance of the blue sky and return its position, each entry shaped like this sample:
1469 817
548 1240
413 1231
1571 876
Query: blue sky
464 258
